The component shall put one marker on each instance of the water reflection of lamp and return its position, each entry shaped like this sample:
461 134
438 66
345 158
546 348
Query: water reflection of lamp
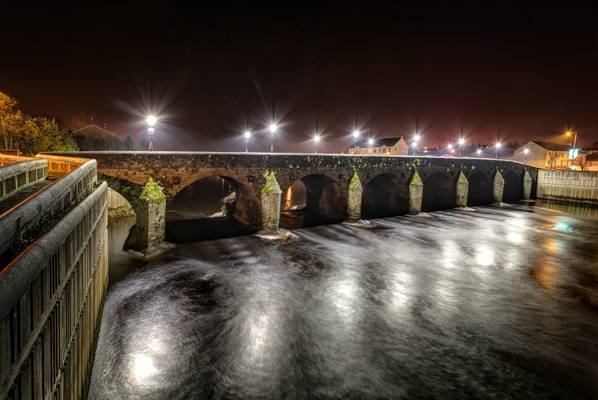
143 367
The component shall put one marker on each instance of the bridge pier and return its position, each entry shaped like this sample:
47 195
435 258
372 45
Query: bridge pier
462 190
147 235
270 196
354 199
498 187
527 185
416 193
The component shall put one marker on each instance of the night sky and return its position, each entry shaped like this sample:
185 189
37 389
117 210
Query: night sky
521 72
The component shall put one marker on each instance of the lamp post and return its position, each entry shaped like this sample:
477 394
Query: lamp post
316 141
273 128
450 148
416 138
151 121
497 145
355 137
371 144
247 136
461 144
574 134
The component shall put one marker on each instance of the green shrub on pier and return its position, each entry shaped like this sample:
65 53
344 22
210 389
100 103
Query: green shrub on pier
153 191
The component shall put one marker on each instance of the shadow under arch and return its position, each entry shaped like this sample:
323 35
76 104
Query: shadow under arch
480 189
212 207
314 199
439 192
385 195
513 189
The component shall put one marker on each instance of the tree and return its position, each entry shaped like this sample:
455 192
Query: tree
31 135
10 120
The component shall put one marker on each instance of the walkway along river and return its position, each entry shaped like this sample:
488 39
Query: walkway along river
488 303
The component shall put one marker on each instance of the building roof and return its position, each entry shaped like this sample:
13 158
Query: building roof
93 128
388 142
552 146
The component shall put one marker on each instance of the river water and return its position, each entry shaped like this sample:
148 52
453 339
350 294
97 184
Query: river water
489 303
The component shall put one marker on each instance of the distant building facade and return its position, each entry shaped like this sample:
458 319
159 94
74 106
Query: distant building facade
94 137
543 155
589 162
394 146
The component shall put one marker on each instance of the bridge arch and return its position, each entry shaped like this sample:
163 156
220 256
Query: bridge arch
439 191
480 189
513 189
212 206
323 200
385 195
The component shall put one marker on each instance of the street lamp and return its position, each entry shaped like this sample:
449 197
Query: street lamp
370 142
497 145
569 132
316 141
247 136
479 151
356 134
416 138
461 143
273 128
151 121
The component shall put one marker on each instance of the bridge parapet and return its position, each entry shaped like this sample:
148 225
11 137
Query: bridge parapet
17 173
50 302
28 221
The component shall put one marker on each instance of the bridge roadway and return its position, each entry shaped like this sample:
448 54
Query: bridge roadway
339 186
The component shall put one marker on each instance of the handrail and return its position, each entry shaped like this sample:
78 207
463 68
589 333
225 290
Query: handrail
25 220
17 275
22 174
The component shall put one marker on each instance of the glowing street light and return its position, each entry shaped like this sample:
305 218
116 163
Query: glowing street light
570 132
416 139
151 121
497 146
273 128
479 151
461 144
355 134
247 136
316 141
370 142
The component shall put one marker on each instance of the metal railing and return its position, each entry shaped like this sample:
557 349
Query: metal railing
15 176
24 223
50 301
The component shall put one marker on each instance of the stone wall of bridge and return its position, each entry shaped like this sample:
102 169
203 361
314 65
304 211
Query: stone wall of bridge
339 186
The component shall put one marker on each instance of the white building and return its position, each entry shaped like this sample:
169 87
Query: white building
392 146
543 155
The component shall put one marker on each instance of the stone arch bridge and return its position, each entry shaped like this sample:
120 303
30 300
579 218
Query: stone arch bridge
343 186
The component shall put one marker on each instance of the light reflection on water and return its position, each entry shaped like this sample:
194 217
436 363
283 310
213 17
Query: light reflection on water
487 303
